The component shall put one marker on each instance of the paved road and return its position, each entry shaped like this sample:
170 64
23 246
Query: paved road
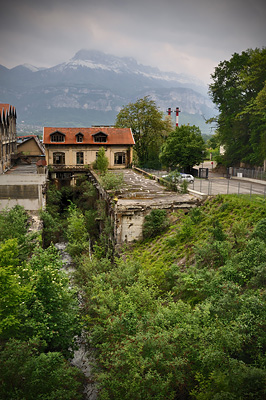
222 185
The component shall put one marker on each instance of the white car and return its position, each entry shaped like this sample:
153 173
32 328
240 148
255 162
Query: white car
179 178
187 177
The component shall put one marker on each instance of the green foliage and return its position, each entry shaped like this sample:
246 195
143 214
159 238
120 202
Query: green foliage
51 228
149 129
27 373
260 230
37 306
112 181
13 223
102 162
36 301
238 90
182 315
77 234
183 148
155 222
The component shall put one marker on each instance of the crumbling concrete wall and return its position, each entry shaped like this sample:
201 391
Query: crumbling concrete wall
130 215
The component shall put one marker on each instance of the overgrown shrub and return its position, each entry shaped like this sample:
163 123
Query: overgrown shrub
28 373
112 181
155 223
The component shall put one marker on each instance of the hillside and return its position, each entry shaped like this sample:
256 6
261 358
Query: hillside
91 88
182 315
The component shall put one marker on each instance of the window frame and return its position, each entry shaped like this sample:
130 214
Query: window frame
61 155
79 136
119 154
80 157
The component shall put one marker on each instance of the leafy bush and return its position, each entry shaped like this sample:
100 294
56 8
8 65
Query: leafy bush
155 223
28 373
260 230
110 181
76 233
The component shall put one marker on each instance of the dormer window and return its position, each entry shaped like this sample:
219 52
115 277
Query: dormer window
100 137
57 137
79 138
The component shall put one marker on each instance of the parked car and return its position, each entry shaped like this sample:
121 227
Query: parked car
179 177
187 177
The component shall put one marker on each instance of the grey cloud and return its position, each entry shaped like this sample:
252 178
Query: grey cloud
194 34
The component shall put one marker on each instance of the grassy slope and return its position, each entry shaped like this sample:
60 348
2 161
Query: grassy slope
236 215
182 316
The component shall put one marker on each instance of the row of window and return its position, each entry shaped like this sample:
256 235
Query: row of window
58 137
59 158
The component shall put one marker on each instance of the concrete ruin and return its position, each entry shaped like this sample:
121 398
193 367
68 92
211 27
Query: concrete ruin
141 193
24 187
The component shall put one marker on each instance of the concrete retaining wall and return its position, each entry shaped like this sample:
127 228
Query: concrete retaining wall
24 190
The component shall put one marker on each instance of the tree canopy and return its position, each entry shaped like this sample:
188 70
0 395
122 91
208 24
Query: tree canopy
183 148
148 127
238 90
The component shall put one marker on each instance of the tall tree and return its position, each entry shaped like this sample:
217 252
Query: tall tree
236 85
149 129
183 148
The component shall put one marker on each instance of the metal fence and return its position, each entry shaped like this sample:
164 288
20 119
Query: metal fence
228 186
259 173
224 186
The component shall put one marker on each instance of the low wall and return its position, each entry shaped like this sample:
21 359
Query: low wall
24 190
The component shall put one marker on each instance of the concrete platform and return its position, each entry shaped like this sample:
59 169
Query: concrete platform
21 185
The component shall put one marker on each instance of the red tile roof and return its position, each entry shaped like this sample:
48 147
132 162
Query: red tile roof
115 136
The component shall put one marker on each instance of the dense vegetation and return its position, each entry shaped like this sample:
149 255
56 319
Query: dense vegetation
182 315
239 92
183 148
39 317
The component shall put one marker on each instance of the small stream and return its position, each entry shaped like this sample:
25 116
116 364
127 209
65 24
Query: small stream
82 357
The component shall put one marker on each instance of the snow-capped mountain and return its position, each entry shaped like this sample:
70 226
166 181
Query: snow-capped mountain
92 87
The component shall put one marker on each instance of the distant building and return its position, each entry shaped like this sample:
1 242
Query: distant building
74 149
8 139
30 146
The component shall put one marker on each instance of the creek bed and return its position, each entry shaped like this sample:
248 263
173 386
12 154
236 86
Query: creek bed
83 357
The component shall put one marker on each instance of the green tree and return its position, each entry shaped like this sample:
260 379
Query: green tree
183 148
77 234
237 90
28 373
148 127
101 162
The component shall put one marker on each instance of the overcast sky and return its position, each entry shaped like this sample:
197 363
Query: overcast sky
190 36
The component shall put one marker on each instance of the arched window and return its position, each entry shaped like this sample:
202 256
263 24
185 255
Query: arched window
59 158
120 158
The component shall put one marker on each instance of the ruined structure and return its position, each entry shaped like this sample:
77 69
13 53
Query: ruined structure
140 194
8 140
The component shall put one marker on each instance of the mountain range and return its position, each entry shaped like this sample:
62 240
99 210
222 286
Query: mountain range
92 87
